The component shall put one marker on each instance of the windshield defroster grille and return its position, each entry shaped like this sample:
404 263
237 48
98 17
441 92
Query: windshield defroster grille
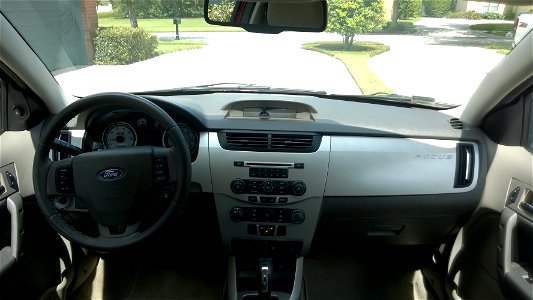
269 142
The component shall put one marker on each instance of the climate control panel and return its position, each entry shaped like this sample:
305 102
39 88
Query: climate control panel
268 187
260 214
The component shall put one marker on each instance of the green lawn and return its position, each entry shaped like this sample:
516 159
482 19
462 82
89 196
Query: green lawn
356 61
164 25
493 27
177 45
500 29
503 48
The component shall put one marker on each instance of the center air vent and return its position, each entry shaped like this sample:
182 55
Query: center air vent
456 123
269 142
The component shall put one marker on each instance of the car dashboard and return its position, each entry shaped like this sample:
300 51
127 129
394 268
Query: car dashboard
287 170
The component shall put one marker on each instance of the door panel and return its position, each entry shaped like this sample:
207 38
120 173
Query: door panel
515 248
29 261
492 257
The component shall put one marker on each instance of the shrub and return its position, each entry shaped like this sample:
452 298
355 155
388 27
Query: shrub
468 15
509 12
409 8
123 45
492 16
437 8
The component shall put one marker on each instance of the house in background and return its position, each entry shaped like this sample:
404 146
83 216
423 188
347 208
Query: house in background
496 7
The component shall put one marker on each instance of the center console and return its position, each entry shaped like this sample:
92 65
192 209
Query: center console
268 205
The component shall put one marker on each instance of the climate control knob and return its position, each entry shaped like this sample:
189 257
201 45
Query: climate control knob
297 216
237 186
236 214
268 187
298 188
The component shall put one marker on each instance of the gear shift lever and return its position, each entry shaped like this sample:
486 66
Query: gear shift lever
265 274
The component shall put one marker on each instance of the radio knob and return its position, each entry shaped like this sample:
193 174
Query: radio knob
236 214
297 216
268 187
237 186
298 188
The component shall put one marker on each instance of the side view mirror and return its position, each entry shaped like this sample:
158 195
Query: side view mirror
268 16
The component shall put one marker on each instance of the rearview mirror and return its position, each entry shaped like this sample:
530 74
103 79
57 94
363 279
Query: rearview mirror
268 16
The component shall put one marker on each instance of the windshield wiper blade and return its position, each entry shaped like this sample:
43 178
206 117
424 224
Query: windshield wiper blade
395 99
233 87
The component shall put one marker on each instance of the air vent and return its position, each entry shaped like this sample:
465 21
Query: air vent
270 142
247 140
56 155
456 123
291 141
465 165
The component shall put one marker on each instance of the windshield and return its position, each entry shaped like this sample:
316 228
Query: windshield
438 49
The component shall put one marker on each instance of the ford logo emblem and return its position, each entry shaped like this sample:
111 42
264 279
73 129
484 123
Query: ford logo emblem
111 174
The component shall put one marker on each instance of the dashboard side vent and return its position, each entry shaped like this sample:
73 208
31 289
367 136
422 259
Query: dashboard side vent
269 142
56 155
456 123
464 171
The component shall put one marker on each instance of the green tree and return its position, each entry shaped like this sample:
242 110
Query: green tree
222 11
437 8
134 9
351 17
409 8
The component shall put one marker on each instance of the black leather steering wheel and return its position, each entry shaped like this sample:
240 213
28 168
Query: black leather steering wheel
128 192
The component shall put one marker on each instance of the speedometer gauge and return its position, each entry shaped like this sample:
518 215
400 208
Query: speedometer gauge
119 134
190 137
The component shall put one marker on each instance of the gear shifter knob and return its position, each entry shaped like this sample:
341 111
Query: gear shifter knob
265 273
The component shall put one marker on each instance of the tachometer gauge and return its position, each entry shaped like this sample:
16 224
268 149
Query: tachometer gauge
190 137
119 134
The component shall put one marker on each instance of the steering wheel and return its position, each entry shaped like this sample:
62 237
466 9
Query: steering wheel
129 192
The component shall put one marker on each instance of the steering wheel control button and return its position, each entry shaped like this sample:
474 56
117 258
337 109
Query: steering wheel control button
297 216
160 169
64 180
62 202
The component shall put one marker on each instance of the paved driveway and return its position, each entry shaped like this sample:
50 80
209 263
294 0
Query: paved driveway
444 59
